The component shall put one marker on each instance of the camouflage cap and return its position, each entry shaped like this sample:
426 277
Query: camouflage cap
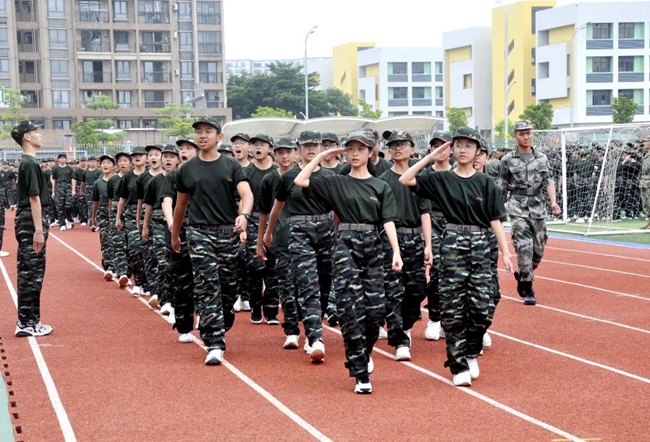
310 136
262 137
189 141
469 133
225 147
138 151
83 159
92 158
107 157
20 129
329 136
523 125
170 148
241 135
149 147
372 131
364 137
484 146
397 135
207 120
120 155
74 161
62 155
285 143
442 136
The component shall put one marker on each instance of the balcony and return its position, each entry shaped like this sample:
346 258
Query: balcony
94 46
631 44
211 77
31 105
599 111
214 104
29 78
422 102
631 77
416 78
439 101
123 77
154 104
29 48
157 77
438 77
25 17
204 18
209 48
96 16
600 78
155 48
153 17
600 44
398 102
397 78
95 77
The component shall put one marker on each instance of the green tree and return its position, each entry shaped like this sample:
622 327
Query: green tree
540 116
14 100
457 118
368 112
269 112
177 120
623 110
92 130
498 129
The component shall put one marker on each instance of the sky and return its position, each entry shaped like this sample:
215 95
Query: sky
276 29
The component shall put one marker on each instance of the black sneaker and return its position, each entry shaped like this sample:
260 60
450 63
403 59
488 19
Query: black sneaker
363 385
520 285
256 317
332 320
272 320
530 299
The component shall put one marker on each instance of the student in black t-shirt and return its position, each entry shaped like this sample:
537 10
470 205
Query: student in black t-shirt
215 227
331 141
62 191
471 204
100 216
90 175
118 237
378 164
364 204
31 231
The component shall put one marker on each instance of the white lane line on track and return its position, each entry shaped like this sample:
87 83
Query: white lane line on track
248 381
608 255
600 269
476 395
59 409
589 318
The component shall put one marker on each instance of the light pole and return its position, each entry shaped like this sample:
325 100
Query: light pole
573 64
311 31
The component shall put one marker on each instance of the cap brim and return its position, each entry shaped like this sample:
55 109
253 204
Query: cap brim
179 142
369 144
312 141
285 146
195 125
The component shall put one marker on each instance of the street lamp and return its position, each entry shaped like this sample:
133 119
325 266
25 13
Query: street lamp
311 31
573 63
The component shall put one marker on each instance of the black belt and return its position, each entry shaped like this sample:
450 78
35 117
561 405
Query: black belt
527 192
215 228
409 230
312 218
437 214
465 228
357 227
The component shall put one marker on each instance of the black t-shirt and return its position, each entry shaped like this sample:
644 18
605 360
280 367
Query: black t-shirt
296 200
467 201
142 183
152 194
48 175
268 192
31 181
78 175
382 166
368 201
113 188
255 176
100 192
62 174
8 176
409 206
90 176
211 186
128 188
336 169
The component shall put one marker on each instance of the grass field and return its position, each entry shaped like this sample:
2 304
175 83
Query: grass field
581 229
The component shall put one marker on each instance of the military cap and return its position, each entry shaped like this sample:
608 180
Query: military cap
364 137
92 157
207 120
74 161
83 159
225 147
121 154
523 125
189 141
285 143
61 155
20 129
372 131
171 148
310 136
107 157
442 136
138 151
466 132
484 146
329 136
42 160
149 147
262 137
397 135
241 135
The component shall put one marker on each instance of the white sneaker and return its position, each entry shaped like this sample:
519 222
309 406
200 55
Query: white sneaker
371 365
291 342
185 338
403 354
167 309
462 379
487 340
198 321
62 228
442 332
317 353
124 280
108 275
246 306
383 334
54 224
33 330
408 333
238 304
153 301
83 224
580 221
68 225
307 347
215 357
432 332
3 254
472 363
363 387
136 290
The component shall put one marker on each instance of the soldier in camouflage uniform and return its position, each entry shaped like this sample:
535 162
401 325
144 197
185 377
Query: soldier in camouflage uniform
524 175
644 184
493 166
31 227
364 204
208 183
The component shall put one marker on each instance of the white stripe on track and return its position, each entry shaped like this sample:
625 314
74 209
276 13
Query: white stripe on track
59 409
600 269
248 381
598 254
476 395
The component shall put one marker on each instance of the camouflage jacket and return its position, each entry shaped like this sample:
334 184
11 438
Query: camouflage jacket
492 168
644 180
517 174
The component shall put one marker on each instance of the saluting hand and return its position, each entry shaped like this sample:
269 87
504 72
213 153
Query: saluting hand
439 152
332 153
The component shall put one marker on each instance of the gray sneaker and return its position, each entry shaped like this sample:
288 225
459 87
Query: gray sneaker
32 330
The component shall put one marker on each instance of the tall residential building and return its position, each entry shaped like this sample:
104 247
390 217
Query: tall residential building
142 54
319 65
589 53
402 81
468 76
520 50
345 68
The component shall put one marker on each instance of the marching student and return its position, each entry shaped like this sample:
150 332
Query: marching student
207 184
471 204
100 216
80 201
90 175
62 191
117 237
331 141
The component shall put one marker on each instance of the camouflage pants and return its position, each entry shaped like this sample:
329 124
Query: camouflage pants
10 194
181 284
288 295
645 201
64 201
243 289
359 288
156 267
82 205
133 246
495 293
404 291
262 281
310 246
31 267
2 218
118 243
529 238
105 238
438 225
465 290
4 199
214 260
51 209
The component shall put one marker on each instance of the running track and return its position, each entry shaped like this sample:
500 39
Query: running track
572 368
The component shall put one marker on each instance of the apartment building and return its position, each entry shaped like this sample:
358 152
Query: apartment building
142 54
322 66
345 68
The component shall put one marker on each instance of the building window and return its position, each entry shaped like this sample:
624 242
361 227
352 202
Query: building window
120 11
467 81
185 11
61 124
511 107
208 13
125 124
511 76
511 46
186 41
123 69
602 31
31 98
4 68
153 11
421 68
187 70
440 114
601 64
212 99
154 99
59 69
208 72
534 10
56 8
397 93
422 113
397 113
627 93
422 92
186 96
399 68
209 42
533 86
626 64
601 98
122 41
4 37
439 67
124 98
58 38
626 30
3 8
61 99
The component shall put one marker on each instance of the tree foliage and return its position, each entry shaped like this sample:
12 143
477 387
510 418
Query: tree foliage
284 88
91 130
177 120
368 112
498 129
623 110
540 116
14 100
269 112
456 119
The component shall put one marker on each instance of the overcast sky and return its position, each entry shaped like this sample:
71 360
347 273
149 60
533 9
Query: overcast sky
275 29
